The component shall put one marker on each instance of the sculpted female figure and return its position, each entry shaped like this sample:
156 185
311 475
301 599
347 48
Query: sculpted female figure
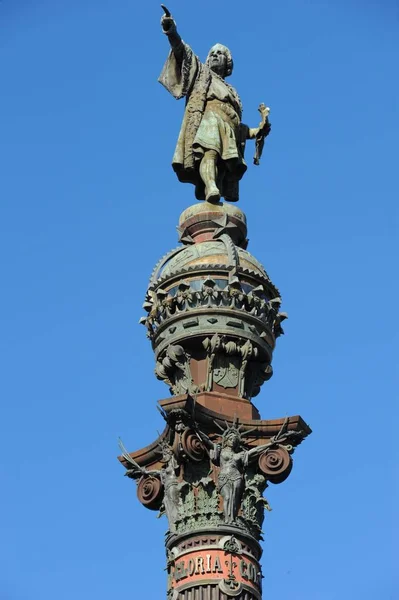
210 148
233 460
168 475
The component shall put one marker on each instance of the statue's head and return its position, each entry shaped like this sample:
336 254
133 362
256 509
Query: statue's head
166 451
219 59
232 440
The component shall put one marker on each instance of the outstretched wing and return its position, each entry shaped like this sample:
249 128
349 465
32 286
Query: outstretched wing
128 458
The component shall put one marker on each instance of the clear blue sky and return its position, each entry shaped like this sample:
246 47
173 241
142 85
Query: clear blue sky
89 203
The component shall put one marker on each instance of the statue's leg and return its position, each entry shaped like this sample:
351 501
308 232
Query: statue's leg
220 177
228 502
209 172
237 496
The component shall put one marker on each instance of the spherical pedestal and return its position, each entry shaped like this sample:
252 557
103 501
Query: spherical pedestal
201 221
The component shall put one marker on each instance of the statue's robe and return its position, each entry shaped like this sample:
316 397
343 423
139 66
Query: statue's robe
212 121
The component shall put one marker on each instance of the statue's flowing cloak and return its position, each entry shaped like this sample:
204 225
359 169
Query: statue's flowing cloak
211 121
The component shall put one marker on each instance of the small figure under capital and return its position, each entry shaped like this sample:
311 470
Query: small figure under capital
210 148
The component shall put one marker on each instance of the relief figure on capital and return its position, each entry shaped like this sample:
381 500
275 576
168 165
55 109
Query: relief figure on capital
210 147
232 459
168 476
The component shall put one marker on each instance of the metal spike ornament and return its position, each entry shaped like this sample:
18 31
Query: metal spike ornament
212 317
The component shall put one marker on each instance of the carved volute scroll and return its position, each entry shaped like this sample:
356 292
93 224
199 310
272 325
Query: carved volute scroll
150 492
193 448
276 464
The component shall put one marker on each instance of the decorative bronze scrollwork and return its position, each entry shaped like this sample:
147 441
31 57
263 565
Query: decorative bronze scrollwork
276 464
150 492
192 446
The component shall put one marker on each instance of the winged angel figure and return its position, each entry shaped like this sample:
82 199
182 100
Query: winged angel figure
168 475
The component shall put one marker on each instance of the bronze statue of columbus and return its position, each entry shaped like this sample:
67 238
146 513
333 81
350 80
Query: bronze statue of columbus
210 148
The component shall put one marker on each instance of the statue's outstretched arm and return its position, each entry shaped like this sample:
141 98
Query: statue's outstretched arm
280 438
254 452
169 28
205 439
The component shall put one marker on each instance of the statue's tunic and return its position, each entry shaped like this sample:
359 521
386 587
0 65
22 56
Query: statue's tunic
212 121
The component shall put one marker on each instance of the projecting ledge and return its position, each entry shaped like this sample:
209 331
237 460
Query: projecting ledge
194 411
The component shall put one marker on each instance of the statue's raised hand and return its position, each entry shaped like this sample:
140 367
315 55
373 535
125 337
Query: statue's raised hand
167 21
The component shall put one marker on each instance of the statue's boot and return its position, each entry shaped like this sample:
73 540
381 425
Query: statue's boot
208 172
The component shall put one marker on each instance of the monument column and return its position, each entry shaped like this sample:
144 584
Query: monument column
213 318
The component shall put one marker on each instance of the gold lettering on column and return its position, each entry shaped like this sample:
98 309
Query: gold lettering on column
191 567
252 573
243 569
216 567
180 572
208 563
199 568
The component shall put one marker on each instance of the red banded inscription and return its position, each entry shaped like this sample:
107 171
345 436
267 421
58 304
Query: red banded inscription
214 564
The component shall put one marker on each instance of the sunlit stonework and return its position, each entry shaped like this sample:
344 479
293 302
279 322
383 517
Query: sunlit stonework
212 316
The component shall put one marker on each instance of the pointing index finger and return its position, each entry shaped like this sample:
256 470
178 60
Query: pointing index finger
166 11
